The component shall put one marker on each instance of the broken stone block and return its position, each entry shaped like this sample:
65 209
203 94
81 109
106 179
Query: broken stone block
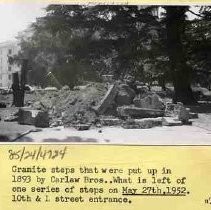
172 110
125 95
27 116
56 123
82 127
142 123
80 87
150 101
136 112
193 115
110 121
177 108
169 109
42 119
183 115
51 89
178 111
171 121
107 101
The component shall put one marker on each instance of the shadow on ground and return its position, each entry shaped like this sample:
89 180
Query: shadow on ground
4 138
67 139
71 139
14 138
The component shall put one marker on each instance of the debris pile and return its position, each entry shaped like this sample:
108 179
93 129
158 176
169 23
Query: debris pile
125 104
73 107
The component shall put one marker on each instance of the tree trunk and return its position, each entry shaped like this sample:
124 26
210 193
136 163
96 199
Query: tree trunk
181 73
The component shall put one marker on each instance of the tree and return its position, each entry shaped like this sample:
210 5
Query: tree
77 42
181 71
198 46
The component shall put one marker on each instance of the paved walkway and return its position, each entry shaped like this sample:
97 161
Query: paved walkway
198 133
181 135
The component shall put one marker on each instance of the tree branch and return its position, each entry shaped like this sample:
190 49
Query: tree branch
195 13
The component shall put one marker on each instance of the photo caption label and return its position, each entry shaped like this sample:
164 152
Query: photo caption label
94 176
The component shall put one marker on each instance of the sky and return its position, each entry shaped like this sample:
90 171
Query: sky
15 17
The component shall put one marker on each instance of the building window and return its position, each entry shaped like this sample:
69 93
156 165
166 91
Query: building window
10 51
9 68
9 76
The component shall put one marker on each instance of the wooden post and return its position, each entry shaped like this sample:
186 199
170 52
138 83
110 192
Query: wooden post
15 89
19 87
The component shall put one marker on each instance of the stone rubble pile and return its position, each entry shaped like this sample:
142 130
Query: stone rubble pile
105 104
140 108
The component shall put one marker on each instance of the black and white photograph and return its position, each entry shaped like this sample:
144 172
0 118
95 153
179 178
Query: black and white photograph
107 74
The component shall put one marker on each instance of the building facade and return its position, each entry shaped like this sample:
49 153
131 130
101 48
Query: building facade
6 69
